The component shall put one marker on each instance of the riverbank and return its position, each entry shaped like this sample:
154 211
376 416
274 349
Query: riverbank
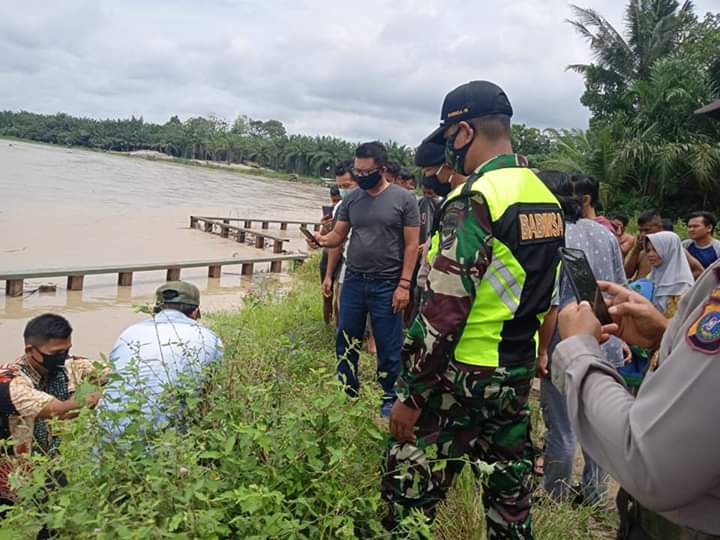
276 450
245 170
259 173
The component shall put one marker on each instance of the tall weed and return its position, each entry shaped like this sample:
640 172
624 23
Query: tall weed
273 449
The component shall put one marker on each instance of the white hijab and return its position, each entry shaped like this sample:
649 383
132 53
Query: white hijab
673 277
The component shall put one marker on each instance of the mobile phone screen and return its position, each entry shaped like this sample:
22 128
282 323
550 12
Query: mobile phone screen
580 274
583 282
308 235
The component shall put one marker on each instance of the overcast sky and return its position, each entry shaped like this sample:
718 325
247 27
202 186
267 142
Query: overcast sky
359 70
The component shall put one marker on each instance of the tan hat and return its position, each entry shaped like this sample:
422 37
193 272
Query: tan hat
178 292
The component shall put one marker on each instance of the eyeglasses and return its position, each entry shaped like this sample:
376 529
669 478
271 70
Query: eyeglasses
357 172
440 168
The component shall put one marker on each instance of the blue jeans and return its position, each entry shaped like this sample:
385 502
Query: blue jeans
560 443
359 297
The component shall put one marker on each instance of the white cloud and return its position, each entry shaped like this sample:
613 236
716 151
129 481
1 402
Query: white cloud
358 70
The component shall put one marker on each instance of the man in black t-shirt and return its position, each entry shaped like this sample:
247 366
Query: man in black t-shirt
380 262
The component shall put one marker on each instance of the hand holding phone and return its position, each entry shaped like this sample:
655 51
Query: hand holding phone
309 236
583 282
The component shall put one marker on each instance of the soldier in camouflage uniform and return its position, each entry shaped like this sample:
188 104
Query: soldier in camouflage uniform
469 356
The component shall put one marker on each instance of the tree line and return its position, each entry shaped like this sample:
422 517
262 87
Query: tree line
265 143
644 143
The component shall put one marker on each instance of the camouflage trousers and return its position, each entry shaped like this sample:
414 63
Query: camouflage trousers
479 416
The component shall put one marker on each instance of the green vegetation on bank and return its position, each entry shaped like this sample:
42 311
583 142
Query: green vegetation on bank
214 140
274 450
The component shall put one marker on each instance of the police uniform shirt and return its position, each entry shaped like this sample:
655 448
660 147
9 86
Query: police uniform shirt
663 445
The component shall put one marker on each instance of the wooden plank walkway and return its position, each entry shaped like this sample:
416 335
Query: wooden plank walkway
224 229
14 280
248 222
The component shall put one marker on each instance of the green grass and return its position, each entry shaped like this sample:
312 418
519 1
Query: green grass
275 450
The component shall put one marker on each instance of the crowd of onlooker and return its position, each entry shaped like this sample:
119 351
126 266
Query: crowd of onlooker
379 236
654 262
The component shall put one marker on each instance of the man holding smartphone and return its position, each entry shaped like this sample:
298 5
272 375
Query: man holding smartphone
381 258
661 445
591 251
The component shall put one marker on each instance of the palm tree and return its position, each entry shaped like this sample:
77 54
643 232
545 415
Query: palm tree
653 30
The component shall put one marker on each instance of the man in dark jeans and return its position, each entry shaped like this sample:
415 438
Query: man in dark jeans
381 259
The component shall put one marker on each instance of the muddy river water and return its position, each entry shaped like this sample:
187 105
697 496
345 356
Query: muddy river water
62 207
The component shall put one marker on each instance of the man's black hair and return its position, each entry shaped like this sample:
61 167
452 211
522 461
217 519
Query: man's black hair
587 185
45 327
406 174
344 167
707 217
185 309
668 224
494 126
334 191
622 218
428 182
394 168
375 150
649 216
561 185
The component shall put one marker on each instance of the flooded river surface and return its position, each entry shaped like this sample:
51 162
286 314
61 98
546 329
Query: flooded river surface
63 207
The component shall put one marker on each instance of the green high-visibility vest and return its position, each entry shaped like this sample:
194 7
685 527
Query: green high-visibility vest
516 290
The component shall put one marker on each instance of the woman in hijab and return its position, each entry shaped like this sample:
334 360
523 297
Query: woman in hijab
670 273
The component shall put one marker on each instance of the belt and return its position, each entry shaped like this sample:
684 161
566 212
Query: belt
658 527
372 277
653 525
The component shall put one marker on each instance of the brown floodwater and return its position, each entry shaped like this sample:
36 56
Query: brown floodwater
63 207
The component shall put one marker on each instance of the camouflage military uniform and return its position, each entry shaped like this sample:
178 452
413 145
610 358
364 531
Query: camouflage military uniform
469 413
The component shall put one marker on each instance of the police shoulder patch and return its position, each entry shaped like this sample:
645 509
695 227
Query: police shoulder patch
704 334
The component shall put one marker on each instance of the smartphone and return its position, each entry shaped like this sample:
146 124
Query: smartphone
327 211
583 282
308 235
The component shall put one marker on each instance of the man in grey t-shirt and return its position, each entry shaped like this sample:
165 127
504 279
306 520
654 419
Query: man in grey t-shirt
382 254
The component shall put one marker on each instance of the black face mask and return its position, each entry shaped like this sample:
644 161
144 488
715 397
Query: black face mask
369 181
55 361
440 189
456 156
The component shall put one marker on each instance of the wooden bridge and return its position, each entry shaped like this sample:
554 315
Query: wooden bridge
14 281
248 222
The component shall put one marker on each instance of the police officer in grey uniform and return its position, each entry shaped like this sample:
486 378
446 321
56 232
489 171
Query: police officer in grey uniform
662 446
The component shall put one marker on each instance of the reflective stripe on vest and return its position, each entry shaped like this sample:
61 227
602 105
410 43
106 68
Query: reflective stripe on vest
434 248
500 292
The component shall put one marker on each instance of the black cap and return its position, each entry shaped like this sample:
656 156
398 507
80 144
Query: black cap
470 100
428 182
429 154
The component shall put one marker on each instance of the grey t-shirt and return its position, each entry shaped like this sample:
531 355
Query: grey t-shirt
603 253
377 243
